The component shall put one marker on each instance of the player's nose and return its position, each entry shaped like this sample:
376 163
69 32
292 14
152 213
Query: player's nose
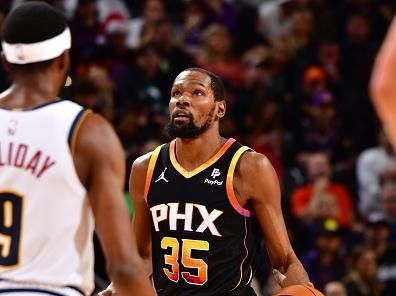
183 100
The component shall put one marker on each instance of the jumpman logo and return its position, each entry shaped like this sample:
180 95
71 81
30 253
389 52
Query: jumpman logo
162 176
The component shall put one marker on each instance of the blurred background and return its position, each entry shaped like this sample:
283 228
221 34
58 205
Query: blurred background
296 74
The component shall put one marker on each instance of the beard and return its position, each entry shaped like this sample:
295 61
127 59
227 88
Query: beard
189 130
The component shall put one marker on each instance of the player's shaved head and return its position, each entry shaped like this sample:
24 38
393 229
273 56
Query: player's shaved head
215 83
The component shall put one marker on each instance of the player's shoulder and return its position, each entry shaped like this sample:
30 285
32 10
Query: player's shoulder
253 164
95 124
96 137
142 162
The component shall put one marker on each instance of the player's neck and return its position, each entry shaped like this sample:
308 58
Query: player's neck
191 153
28 93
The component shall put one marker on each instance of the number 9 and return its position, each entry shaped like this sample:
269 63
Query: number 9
10 228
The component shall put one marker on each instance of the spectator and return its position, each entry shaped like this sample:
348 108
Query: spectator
174 59
275 17
107 8
329 58
194 23
88 95
246 33
280 85
114 55
218 58
321 126
358 52
85 29
101 80
150 86
300 34
222 12
388 201
142 29
257 64
265 132
362 273
314 82
378 235
371 165
325 262
321 198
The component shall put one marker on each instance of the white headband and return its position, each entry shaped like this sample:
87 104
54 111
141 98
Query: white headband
27 53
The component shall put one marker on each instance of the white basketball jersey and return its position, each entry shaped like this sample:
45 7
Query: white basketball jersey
46 223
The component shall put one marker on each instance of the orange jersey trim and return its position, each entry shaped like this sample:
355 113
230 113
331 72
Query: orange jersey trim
205 165
230 183
150 169
76 129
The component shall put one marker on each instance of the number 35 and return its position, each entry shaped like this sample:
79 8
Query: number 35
172 260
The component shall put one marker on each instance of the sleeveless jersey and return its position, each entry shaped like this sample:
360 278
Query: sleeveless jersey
203 241
46 223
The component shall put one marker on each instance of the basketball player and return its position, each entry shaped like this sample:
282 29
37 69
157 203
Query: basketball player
197 200
383 86
56 172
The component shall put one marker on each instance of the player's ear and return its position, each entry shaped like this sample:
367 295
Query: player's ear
63 62
5 63
221 108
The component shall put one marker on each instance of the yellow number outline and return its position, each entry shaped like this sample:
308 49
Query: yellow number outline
6 240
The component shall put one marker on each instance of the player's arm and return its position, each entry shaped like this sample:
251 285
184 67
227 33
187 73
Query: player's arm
100 162
256 179
382 84
141 217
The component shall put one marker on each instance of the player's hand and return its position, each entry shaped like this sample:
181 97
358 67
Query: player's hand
280 278
110 291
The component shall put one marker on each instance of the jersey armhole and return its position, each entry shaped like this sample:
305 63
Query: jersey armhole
230 183
150 170
75 127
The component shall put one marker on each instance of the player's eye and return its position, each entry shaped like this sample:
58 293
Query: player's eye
198 92
176 94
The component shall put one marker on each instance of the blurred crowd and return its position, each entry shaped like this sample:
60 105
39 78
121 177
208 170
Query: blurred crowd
296 74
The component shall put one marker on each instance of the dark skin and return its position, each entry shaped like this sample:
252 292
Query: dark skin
382 85
255 181
101 173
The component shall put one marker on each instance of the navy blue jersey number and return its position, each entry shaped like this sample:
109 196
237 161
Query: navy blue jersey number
10 228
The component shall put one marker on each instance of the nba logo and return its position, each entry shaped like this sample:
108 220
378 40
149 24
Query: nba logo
12 127
215 173
19 52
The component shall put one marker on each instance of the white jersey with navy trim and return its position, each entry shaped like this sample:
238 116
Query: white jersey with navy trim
46 223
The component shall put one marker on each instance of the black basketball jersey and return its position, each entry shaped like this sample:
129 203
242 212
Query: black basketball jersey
203 241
